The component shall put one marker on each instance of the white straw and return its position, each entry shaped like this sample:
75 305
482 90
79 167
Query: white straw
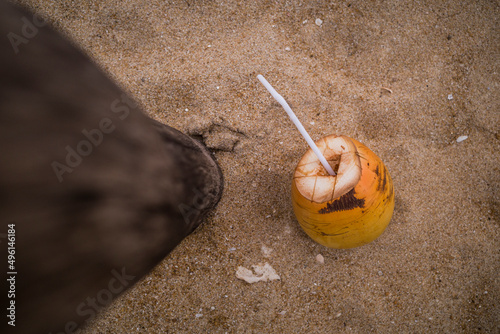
297 123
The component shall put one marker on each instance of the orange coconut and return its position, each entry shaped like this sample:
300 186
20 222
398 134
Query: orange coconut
349 209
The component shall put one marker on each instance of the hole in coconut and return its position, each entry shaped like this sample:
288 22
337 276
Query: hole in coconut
334 162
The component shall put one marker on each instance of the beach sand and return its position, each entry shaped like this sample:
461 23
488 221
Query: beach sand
406 79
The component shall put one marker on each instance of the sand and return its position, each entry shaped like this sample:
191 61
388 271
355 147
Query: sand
406 79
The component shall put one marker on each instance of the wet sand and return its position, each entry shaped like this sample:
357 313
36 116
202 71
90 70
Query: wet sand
405 79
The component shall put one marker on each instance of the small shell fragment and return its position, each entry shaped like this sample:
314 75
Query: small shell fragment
386 89
318 22
263 272
462 138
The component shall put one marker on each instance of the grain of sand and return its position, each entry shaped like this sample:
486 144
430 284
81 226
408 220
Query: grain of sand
405 78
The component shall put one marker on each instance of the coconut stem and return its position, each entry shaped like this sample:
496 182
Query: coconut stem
297 123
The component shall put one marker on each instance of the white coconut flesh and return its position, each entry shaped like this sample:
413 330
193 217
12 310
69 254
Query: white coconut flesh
313 181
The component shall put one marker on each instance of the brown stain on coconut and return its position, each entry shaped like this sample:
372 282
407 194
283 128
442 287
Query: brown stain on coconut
343 203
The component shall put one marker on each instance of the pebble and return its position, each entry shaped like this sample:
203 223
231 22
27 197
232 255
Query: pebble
198 315
318 22
450 96
287 49
462 138
320 258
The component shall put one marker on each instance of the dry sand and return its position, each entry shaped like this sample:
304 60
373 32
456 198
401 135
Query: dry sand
193 65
